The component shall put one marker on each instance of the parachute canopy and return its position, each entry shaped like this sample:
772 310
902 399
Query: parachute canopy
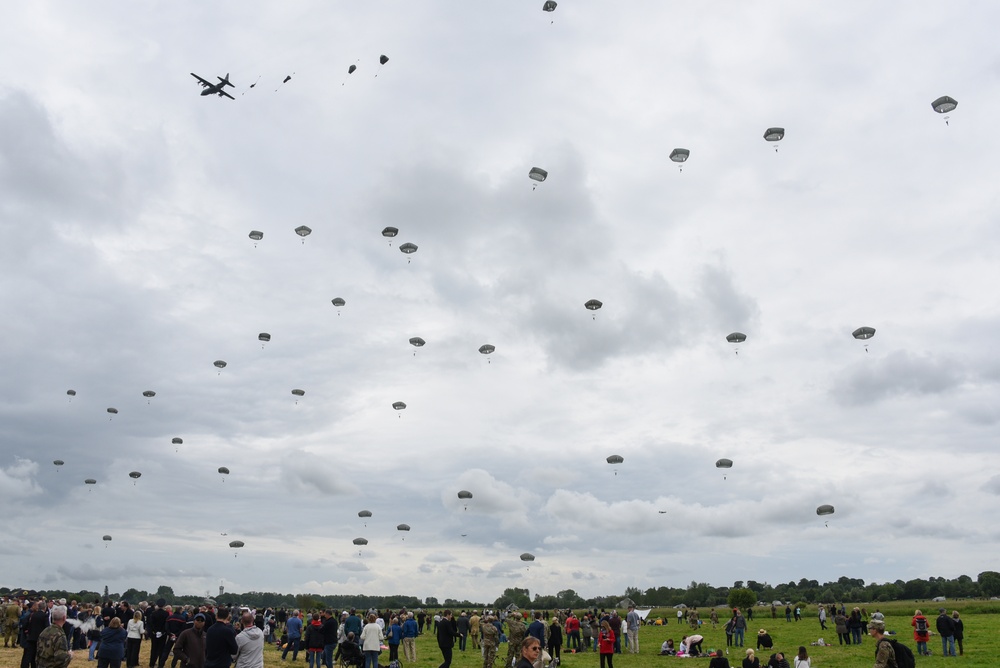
825 509
615 459
402 527
724 464
383 59
264 336
113 411
465 494
487 348
135 475
58 462
944 104
680 154
417 341
219 364
223 470
236 543
299 393
408 248
549 6
364 513
538 174
71 393
774 134
527 556
593 304
149 394
106 537
89 481
338 302
390 232
360 541
303 230
256 235
350 70
398 405
736 337
177 440
863 333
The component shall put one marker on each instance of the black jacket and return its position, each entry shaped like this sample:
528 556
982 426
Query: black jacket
446 632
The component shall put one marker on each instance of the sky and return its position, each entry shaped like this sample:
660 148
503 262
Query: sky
126 201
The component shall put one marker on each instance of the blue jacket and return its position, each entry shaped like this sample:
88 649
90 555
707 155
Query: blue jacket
112 644
294 628
410 629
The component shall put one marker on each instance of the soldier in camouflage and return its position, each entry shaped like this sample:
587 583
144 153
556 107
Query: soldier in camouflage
52 650
491 641
516 631
11 618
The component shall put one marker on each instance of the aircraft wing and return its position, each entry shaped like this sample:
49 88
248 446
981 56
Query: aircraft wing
204 84
222 92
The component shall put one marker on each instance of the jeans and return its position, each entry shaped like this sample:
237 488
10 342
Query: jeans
738 637
371 659
856 635
293 644
922 648
948 645
328 651
314 658
461 642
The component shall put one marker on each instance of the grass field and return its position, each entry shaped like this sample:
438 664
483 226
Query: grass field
982 643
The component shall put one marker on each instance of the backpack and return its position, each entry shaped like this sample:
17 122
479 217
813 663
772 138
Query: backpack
904 655
922 626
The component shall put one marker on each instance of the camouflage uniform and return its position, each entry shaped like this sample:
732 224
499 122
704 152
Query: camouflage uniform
52 651
491 641
693 619
474 630
515 635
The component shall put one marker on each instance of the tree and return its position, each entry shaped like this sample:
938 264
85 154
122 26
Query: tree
431 602
741 598
989 583
164 592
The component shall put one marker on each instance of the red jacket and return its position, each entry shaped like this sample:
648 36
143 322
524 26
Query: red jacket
920 637
607 642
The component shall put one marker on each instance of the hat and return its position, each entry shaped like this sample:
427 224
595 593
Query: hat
199 616
761 631
878 624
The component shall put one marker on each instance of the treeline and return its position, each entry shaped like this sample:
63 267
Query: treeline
986 585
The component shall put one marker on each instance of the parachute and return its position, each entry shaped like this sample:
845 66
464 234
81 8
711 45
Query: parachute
417 342
593 305
527 556
113 411
863 334
382 60
149 394
303 231
402 527
135 475
724 464
465 495
89 481
223 471
364 514
106 539
537 174
220 365
943 105
389 233
486 349
71 394
408 249
360 541
298 393
338 302
263 337
615 460
58 462
177 440
549 6
398 405
680 155
825 509
235 544
256 235
737 338
774 135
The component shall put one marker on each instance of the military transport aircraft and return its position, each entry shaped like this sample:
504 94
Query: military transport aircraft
215 89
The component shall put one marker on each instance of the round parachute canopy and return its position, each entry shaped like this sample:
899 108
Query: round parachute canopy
383 59
724 464
89 481
615 459
71 393
408 248
223 470
398 405
135 475
149 394
774 134
593 304
350 70
465 494
303 230
538 174
264 336
825 509
58 462
364 513
219 364
402 527
863 333
236 543
177 440
113 411
944 104
549 6
256 235
736 337
107 537
390 232
360 541
680 154
527 556
417 341
338 302
299 393
487 348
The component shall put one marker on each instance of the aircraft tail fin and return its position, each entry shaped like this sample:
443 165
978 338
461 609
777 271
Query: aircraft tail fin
225 81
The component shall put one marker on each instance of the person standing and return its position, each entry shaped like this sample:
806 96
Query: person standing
822 617
314 642
946 629
606 645
921 632
133 641
371 642
885 655
515 636
220 641
112 649
156 627
474 629
739 627
293 627
410 633
728 628
632 620
189 648
854 625
394 637
959 632
37 622
555 641
531 650
537 629
714 617
249 644
462 624
51 649
447 631
843 634
491 641
573 627
330 631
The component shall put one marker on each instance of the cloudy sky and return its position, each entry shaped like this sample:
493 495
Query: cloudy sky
126 200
